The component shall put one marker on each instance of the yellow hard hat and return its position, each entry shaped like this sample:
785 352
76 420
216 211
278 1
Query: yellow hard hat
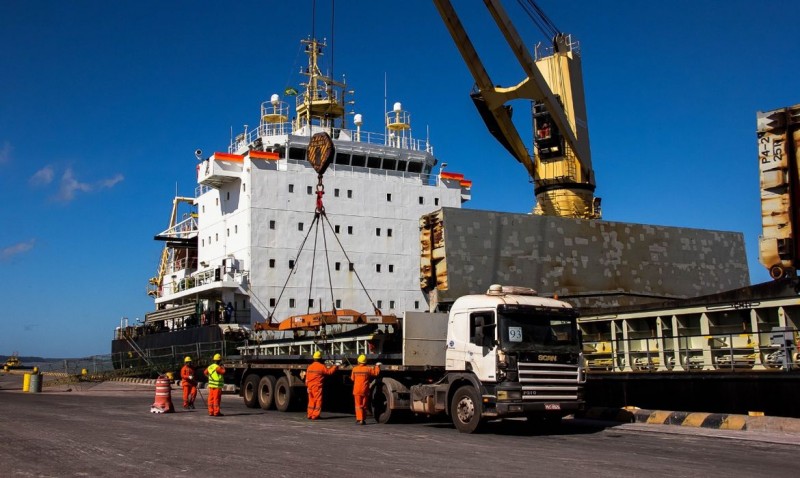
169 375
217 357
317 355
362 358
187 359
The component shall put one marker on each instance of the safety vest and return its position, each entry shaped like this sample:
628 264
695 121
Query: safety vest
215 380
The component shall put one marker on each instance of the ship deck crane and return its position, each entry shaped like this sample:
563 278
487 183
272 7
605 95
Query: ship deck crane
561 165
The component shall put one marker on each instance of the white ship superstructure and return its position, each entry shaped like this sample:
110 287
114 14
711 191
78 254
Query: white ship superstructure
256 201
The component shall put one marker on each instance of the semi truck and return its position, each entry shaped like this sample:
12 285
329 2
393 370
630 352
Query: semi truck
503 354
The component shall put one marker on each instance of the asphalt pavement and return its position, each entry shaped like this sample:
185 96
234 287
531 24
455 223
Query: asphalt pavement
107 429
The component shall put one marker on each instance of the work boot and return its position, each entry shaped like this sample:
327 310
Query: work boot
363 422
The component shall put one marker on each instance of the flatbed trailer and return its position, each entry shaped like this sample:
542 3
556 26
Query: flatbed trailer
503 354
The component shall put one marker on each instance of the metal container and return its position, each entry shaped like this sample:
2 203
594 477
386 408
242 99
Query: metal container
35 383
26 382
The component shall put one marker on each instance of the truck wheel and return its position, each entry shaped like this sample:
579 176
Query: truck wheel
466 409
380 404
266 392
283 394
249 392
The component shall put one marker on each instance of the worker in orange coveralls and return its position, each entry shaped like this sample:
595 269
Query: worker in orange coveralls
315 374
216 379
188 383
361 375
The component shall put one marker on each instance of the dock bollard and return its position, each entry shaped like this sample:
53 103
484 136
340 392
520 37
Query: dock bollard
26 382
35 383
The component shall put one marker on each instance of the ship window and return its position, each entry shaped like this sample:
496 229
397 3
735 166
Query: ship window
311 302
209 240
228 232
337 266
272 262
416 304
421 200
338 303
272 302
202 242
216 201
342 158
414 167
359 161
236 229
272 224
349 194
204 208
380 304
308 189
299 226
216 236
391 304
349 229
377 267
391 267
291 263
291 188
401 165
377 231
389 232
244 187
297 153
389 197
352 266
291 303
336 229
228 196
373 162
435 201
336 192
390 164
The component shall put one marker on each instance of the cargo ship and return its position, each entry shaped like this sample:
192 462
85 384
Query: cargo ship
233 253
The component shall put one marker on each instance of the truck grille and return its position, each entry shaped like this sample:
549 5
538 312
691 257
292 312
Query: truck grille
548 382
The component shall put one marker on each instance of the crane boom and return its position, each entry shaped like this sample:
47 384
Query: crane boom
561 166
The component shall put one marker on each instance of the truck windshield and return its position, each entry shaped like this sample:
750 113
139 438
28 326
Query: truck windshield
535 330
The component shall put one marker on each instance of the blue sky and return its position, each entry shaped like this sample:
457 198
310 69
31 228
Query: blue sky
102 105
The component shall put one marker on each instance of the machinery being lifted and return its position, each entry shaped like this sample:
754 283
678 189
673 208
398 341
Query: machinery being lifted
561 166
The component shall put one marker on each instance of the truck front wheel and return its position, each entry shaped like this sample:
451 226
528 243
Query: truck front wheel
465 409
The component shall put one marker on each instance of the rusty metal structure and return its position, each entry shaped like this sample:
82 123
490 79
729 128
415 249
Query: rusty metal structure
778 144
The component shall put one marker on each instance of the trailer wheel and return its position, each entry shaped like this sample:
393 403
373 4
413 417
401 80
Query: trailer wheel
283 394
466 409
250 388
380 404
266 392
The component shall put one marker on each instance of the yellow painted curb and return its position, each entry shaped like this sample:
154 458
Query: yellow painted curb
658 417
695 420
734 422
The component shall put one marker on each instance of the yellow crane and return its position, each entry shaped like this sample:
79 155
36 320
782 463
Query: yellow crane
561 166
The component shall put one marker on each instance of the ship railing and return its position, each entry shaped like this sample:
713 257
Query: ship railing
731 352
269 130
342 170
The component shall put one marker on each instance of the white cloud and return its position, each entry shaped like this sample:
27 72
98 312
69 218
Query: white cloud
69 185
16 249
42 177
5 152
110 182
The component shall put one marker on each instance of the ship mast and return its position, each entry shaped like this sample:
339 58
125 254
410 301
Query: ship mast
323 101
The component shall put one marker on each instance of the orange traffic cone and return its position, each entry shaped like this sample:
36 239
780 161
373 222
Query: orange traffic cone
163 403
